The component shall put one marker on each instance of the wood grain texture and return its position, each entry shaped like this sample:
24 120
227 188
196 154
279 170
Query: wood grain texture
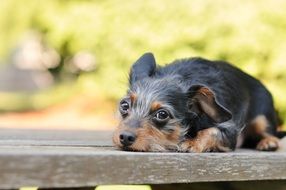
90 163
89 166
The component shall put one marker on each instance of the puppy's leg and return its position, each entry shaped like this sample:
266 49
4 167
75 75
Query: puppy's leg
259 134
214 139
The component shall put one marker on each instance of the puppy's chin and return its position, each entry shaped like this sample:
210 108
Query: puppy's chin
151 139
131 149
163 148
151 148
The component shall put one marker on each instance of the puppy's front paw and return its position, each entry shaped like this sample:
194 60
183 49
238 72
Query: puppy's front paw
270 143
192 145
207 140
195 146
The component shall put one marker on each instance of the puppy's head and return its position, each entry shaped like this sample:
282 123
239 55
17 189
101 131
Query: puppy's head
157 110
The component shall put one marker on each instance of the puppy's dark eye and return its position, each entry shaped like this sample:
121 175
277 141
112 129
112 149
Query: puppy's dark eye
124 107
162 116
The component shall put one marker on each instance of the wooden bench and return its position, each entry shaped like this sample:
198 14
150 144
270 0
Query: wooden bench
58 159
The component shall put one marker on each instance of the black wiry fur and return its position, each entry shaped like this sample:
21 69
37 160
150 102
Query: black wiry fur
238 97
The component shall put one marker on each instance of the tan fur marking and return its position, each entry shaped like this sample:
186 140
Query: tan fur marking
206 92
175 135
258 128
149 138
259 125
155 106
133 97
207 101
205 141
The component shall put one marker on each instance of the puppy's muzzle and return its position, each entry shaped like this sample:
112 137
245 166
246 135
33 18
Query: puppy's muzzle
127 138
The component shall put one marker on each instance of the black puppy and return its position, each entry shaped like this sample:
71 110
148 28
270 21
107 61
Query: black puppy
194 105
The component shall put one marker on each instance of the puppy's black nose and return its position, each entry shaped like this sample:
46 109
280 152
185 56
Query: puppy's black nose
127 138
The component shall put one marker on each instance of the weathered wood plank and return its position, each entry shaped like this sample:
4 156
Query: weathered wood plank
53 166
86 158
55 137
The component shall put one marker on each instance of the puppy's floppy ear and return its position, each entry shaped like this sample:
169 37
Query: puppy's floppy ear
202 100
145 66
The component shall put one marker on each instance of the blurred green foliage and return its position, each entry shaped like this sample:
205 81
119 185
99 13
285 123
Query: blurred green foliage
249 34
